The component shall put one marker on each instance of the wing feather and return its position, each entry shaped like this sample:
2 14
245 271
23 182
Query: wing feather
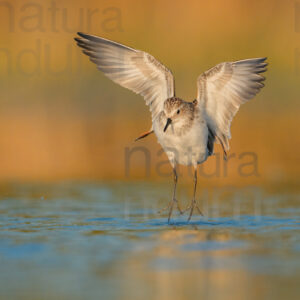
131 68
222 90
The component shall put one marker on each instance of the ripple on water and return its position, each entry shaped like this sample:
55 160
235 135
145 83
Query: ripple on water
80 241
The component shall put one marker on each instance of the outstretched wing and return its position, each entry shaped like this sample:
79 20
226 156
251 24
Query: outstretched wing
223 88
132 69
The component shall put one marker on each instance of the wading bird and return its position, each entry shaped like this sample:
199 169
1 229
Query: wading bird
187 131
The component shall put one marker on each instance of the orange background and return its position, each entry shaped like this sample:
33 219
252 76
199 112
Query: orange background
62 119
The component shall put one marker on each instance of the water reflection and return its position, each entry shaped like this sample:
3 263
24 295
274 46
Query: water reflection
76 241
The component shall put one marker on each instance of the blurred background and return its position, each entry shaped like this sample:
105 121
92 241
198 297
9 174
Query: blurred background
61 119
79 199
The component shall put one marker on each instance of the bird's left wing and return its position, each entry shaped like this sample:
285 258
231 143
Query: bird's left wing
131 68
223 88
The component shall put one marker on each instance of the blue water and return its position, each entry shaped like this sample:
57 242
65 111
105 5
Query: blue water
91 241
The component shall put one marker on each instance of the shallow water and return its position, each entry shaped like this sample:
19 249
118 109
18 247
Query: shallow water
92 241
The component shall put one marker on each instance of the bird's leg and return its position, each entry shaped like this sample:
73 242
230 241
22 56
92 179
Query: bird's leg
143 135
171 203
174 196
193 204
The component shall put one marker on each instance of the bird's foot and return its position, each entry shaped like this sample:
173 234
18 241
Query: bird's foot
191 208
170 207
178 207
165 208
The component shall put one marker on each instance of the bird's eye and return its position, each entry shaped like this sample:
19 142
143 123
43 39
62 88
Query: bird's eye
178 111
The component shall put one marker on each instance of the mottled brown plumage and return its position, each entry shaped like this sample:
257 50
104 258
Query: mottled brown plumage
176 108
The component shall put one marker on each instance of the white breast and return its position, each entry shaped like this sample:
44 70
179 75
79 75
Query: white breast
189 148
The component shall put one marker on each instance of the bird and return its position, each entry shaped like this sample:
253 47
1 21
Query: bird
186 130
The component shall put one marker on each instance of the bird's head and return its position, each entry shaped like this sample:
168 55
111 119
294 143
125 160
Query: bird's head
177 111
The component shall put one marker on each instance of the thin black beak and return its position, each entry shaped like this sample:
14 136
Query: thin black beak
169 121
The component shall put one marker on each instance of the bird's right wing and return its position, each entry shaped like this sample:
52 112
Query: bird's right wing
223 88
132 69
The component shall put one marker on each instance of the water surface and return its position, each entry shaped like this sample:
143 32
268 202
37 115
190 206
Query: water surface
106 241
